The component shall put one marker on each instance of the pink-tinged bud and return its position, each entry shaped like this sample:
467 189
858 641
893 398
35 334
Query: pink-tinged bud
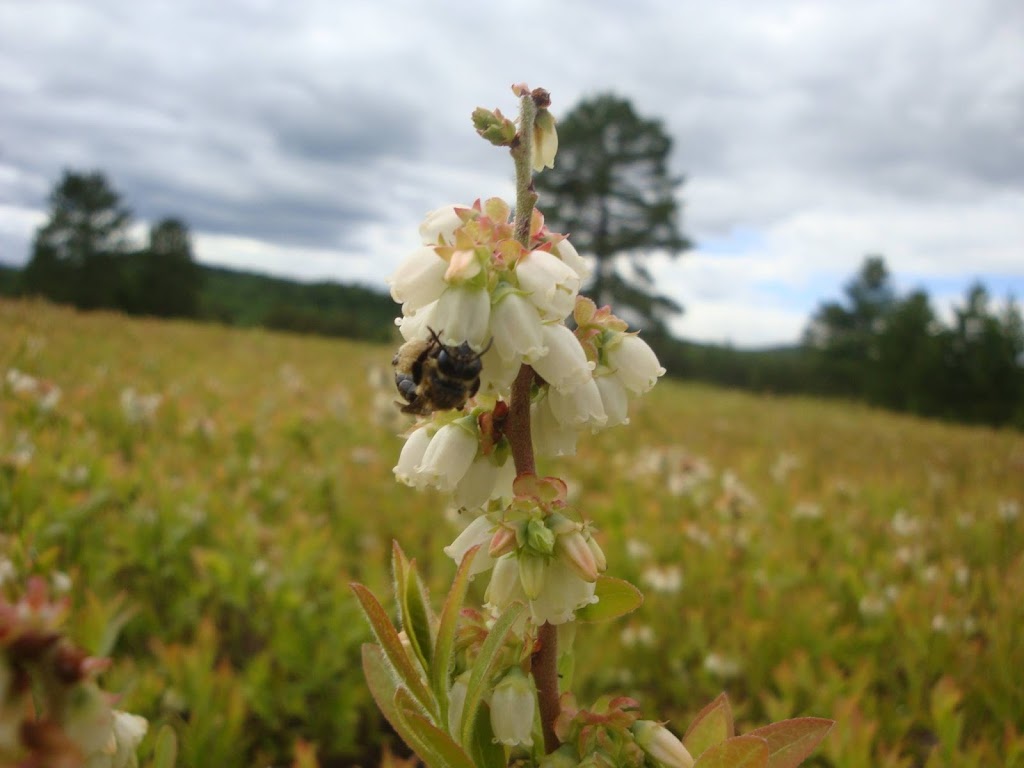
576 553
503 542
512 706
439 225
660 743
463 265
532 573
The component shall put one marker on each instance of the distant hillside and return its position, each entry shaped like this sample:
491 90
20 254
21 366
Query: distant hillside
325 308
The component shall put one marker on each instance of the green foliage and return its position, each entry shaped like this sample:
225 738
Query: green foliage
612 191
808 557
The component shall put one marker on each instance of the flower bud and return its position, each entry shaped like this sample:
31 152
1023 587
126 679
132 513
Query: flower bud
599 559
503 541
563 757
545 141
576 553
512 706
539 537
660 743
505 585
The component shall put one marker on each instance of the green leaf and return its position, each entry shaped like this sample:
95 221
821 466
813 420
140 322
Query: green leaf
483 667
738 752
387 636
616 598
790 741
391 699
415 611
439 743
445 643
485 751
712 725
165 751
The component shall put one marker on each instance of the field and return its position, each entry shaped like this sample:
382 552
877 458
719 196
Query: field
206 494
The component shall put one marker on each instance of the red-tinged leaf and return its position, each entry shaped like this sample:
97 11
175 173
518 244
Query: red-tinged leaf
791 741
397 657
445 643
711 726
483 667
438 742
738 752
616 598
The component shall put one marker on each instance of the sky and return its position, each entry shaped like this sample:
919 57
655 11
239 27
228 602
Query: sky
308 139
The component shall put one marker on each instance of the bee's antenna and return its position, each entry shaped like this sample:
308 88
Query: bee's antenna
483 351
436 335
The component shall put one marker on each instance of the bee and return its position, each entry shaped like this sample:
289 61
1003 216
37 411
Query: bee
433 376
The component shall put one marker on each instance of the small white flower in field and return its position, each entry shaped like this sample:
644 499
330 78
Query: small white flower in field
579 407
661 744
457 702
550 283
698 536
891 592
783 466
930 574
722 666
872 606
635 363
807 510
60 582
940 624
962 575
448 457
969 625
565 366
667 579
1008 510
23 450
545 141
21 383
637 550
439 225
128 732
517 329
512 707
637 634
411 456
477 533
419 279
139 409
905 524
7 573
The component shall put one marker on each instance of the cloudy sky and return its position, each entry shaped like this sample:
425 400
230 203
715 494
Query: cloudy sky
308 138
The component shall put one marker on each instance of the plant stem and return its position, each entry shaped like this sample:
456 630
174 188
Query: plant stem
544 662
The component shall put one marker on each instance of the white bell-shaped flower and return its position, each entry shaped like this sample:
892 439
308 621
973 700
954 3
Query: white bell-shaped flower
462 314
419 279
579 407
613 397
565 366
406 471
512 708
568 254
550 436
440 224
552 284
477 532
448 457
634 362
516 325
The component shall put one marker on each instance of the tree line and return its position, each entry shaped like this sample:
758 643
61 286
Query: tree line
84 256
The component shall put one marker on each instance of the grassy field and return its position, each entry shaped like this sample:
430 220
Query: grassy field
207 494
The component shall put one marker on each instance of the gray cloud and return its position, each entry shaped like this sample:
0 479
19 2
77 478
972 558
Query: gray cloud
827 127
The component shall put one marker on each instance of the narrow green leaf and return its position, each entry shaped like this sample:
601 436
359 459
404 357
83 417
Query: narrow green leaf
384 688
712 725
416 616
165 751
616 598
483 748
446 627
387 636
483 668
738 752
791 741
439 742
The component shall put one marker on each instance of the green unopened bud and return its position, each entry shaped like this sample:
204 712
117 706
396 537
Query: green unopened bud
532 573
494 126
539 537
563 757
599 559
